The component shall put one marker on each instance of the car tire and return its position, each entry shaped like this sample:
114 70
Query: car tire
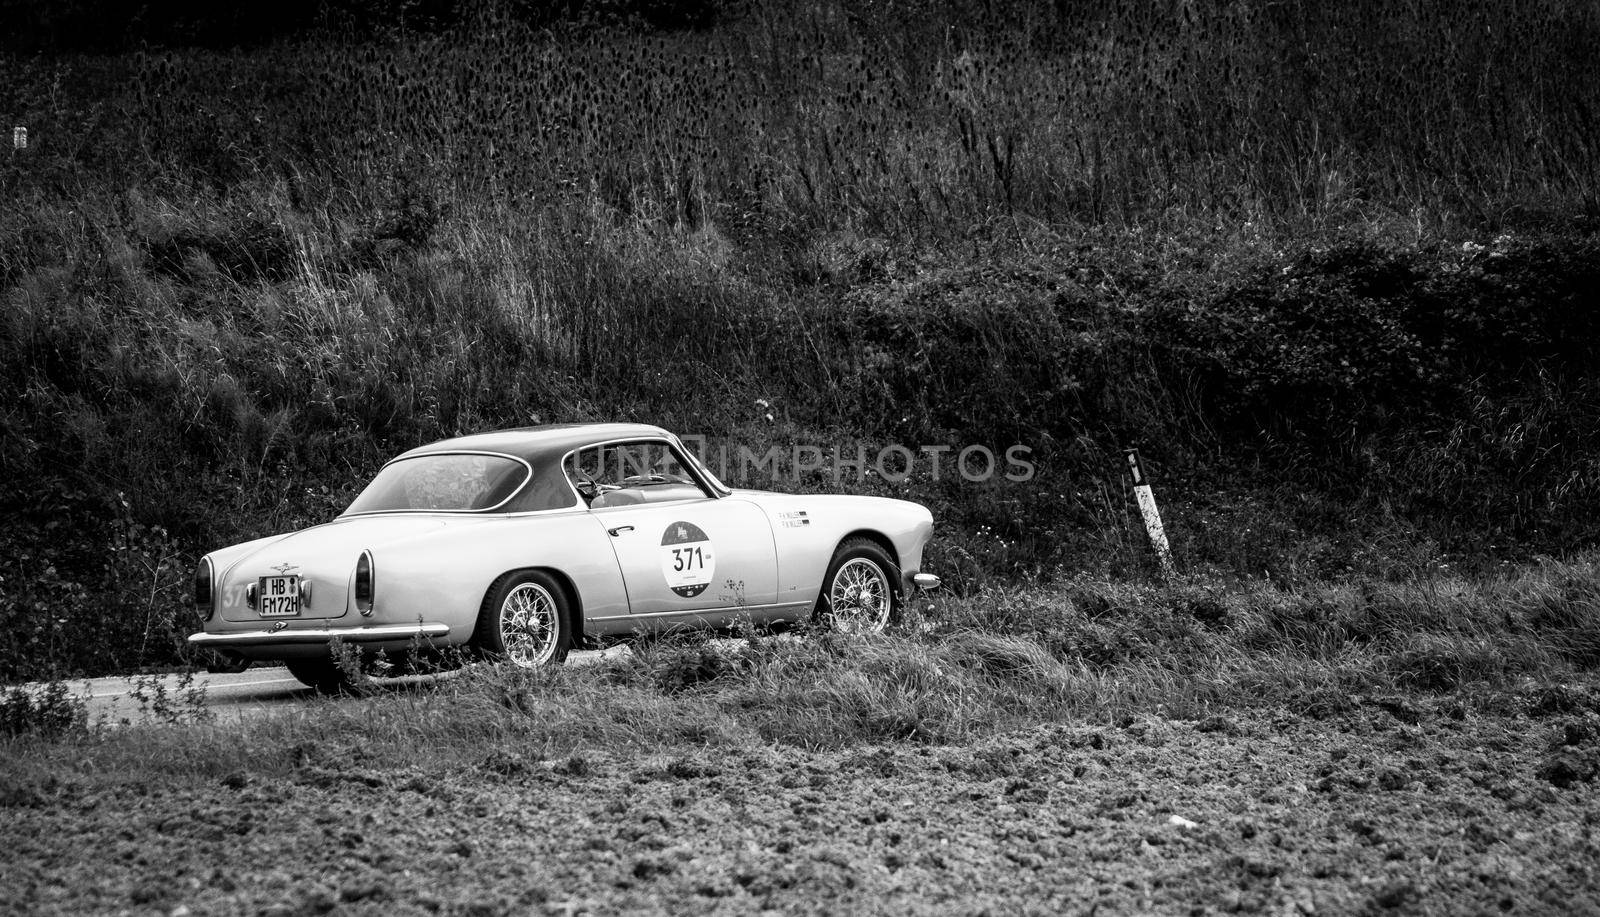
525 620
323 674
219 664
861 591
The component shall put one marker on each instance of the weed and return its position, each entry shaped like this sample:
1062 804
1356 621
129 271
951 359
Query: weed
48 710
1309 261
183 702
354 667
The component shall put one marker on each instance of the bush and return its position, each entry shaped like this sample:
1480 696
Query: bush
236 281
47 710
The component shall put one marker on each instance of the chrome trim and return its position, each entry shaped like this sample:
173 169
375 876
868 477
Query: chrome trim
453 513
211 587
668 440
321 634
718 487
521 513
372 583
924 581
721 609
449 512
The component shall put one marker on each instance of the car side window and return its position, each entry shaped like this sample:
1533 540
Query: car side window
622 474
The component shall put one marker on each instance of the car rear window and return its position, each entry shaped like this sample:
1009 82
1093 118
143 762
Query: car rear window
442 483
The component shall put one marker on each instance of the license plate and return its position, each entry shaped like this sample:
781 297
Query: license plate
278 596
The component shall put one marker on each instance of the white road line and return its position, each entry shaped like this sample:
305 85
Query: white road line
215 686
253 684
221 687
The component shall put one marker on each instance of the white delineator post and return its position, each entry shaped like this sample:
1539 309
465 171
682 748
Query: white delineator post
1152 515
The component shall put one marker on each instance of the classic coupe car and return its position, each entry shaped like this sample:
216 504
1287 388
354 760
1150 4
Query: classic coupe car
519 545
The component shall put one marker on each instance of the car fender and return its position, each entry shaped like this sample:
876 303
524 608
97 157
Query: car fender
463 556
808 528
573 545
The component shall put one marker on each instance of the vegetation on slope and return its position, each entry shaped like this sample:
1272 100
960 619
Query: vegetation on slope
1333 270
963 668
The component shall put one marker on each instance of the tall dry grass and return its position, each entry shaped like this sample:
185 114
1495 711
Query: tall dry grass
1088 652
234 281
899 119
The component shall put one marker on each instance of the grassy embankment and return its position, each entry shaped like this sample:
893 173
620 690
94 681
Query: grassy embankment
962 669
1332 269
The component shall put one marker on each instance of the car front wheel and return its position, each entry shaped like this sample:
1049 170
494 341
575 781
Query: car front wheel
859 593
525 621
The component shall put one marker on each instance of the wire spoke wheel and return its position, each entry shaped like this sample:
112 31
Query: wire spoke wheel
530 627
859 600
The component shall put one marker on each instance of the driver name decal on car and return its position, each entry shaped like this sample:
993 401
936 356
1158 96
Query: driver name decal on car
687 562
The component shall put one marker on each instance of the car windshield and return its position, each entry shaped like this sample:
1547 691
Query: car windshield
460 483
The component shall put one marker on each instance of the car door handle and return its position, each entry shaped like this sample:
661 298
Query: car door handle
620 529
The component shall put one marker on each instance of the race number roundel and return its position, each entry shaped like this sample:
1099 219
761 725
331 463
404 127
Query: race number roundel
686 559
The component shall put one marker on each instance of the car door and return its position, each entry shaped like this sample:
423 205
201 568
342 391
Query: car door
685 555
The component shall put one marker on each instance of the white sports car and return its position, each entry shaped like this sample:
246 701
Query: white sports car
522 544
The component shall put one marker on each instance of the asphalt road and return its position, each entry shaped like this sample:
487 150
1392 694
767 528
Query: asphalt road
121 700
116 700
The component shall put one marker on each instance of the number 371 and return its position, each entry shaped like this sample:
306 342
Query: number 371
687 559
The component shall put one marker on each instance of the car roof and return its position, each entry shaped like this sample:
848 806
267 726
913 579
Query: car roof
536 445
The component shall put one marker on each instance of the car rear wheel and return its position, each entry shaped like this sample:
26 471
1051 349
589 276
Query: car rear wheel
860 594
219 664
322 674
525 620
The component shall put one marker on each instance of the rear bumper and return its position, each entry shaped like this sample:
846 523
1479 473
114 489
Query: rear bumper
371 633
922 581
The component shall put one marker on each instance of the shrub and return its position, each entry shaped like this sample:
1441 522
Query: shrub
50 709
235 281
